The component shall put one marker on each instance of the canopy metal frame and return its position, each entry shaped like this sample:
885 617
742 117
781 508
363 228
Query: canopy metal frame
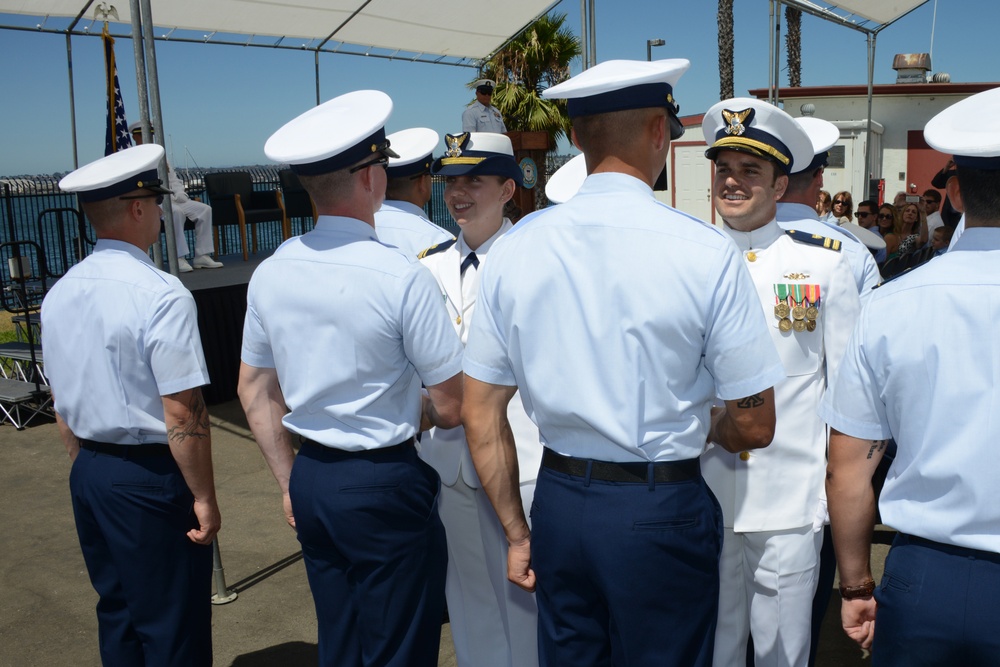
849 15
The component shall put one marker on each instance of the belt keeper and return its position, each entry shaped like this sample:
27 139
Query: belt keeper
651 476
590 467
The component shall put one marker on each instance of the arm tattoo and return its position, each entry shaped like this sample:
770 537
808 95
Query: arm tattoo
754 401
876 446
196 426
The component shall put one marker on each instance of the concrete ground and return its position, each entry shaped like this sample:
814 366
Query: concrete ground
47 603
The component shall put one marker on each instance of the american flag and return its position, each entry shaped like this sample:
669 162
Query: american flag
116 136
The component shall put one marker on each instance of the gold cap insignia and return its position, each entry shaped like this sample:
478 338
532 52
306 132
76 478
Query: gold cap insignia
455 143
735 121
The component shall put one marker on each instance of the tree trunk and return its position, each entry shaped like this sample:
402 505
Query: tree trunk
726 47
793 42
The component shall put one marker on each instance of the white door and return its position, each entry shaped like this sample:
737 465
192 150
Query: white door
692 181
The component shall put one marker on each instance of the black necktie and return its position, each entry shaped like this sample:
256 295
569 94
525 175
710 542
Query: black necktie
469 259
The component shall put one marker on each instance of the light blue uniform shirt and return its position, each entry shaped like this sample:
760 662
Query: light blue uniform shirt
402 224
118 335
923 367
352 328
804 219
478 117
620 320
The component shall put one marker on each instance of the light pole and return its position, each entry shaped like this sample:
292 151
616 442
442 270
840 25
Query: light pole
650 43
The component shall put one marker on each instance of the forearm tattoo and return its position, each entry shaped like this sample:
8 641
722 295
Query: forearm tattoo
754 401
196 426
876 446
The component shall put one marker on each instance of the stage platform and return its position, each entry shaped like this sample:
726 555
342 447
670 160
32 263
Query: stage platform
221 297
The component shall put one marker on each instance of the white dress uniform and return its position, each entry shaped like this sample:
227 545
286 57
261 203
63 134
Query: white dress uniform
770 496
493 622
481 118
404 225
804 219
895 385
183 208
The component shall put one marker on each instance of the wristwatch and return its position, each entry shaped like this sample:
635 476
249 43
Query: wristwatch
864 590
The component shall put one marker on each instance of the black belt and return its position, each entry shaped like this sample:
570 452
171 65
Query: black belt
327 453
604 471
954 550
126 451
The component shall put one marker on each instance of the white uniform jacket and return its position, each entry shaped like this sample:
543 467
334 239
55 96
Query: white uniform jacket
779 487
446 450
404 225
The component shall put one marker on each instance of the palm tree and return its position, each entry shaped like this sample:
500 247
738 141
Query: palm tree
534 60
793 42
726 47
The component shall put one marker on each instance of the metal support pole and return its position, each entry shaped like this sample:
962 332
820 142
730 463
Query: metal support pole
868 133
584 34
72 99
593 35
222 593
156 125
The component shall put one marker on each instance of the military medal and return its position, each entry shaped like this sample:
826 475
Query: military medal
798 310
781 311
798 313
812 298
784 325
810 325
799 325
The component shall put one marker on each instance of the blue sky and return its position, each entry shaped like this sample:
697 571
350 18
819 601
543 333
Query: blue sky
220 103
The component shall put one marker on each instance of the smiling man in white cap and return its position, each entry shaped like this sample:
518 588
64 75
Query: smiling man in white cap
340 332
401 221
933 389
124 359
481 115
806 289
493 622
620 320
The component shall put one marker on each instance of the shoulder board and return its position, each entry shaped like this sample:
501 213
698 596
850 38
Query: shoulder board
815 239
434 249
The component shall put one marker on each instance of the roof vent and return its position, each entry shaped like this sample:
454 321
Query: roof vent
912 67
941 77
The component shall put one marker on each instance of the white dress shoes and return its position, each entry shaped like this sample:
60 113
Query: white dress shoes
183 266
205 262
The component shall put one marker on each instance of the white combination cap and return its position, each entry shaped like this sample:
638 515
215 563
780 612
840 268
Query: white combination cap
749 125
414 147
967 130
482 153
117 174
619 85
567 180
335 135
486 83
823 135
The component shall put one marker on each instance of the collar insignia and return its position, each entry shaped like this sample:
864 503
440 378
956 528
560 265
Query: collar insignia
456 142
736 121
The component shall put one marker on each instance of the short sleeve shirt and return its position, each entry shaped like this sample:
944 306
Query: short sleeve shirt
922 368
620 320
352 328
401 224
119 335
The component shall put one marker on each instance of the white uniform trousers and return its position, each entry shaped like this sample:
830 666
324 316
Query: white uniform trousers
766 586
517 606
202 216
476 625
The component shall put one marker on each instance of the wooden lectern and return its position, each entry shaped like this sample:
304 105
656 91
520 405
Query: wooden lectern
530 149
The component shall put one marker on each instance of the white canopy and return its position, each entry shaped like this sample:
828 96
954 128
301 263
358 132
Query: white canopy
879 12
451 28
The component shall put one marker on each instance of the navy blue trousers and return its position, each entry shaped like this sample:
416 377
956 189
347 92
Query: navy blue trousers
132 517
628 574
375 554
937 605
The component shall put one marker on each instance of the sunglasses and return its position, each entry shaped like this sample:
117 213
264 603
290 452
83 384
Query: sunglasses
159 198
839 201
381 161
863 214
885 216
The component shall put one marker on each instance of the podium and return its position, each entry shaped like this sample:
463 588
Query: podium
530 149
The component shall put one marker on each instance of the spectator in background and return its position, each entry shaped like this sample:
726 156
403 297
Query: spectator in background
899 199
949 216
888 219
940 240
843 207
931 200
823 205
911 228
866 214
